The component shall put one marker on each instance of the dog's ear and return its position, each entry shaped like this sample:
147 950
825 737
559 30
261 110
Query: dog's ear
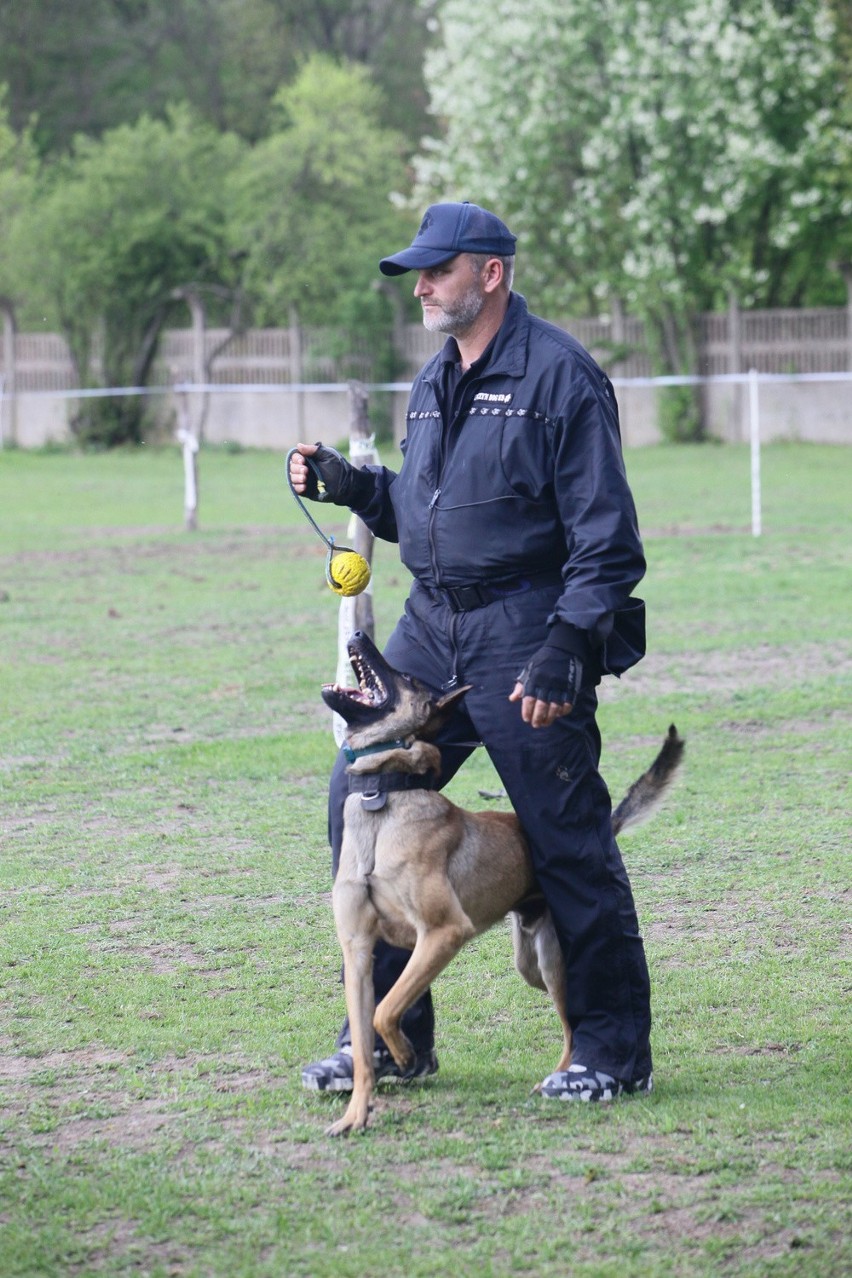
441 711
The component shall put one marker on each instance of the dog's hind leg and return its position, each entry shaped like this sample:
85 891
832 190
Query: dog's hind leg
539 959
552 963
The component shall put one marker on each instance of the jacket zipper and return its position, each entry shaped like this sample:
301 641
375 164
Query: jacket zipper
431 537
442 461
453 680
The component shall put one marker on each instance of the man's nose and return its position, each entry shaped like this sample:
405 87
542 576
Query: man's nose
421 286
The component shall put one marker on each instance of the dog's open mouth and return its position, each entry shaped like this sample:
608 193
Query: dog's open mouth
370 692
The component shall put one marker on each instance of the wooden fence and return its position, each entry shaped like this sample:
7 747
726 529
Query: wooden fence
40 361
776 341
770 341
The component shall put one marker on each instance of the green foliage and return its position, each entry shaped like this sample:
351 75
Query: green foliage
310 204
97 246
92 65
679 415
18 174
661 153
117 227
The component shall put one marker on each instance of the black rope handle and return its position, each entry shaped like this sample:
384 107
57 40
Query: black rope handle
333 548
329 541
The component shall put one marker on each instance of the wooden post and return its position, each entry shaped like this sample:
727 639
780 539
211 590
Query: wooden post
356 612
754 439
297 370
189 444
8 400
199 374
735 339
847 276
734 333
617 339
617 326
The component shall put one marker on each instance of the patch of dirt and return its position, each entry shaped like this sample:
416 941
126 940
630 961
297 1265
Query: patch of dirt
725 671
657 1204
14 1066
749 1049
120 1237
56 1080
138 1128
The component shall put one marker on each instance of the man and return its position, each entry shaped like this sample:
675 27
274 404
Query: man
513 514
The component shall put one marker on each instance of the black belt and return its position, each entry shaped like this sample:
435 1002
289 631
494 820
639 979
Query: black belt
480 593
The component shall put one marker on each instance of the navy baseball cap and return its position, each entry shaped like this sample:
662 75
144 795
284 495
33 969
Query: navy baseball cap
450 229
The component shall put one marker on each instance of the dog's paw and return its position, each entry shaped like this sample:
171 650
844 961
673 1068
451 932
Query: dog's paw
354 1120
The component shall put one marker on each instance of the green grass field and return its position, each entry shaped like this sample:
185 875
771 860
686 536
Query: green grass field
167 949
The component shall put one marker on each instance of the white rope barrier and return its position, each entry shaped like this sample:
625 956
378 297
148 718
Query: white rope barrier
752 379
340 388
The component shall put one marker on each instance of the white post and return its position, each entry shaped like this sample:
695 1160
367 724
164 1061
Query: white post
189 444
754 434
356 611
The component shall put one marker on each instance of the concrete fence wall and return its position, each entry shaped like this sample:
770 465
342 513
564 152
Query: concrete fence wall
264 383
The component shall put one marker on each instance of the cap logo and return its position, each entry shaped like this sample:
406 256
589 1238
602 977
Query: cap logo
426 223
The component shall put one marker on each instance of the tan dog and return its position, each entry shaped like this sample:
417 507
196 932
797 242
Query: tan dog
425 875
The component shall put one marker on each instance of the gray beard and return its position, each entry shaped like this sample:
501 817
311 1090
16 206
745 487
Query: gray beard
458 320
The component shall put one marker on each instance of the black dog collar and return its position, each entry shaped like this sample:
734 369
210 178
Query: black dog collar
351 755
374 787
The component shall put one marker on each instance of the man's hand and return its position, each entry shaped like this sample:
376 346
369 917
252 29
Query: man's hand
547 686
335 479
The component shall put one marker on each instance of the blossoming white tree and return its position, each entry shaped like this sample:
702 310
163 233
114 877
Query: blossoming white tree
662 152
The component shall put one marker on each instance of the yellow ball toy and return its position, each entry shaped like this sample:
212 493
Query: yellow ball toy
347 573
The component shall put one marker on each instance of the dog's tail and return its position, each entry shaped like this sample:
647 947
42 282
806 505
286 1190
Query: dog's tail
647 794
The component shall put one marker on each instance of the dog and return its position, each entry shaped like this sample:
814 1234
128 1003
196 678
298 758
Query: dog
426 875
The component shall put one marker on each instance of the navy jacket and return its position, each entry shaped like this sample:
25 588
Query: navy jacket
517 468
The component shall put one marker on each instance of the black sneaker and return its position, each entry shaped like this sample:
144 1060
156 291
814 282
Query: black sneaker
335 1073
578 1082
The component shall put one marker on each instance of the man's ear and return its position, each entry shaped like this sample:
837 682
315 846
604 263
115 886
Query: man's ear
492 275
441 711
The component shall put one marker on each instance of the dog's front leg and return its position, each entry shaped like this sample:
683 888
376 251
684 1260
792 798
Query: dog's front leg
434 949
356 931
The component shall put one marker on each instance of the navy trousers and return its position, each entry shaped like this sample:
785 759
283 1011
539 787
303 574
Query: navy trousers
551 778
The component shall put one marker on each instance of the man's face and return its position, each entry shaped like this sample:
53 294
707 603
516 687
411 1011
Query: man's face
451 294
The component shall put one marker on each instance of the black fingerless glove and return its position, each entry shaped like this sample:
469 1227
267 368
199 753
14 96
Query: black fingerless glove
332 478
555 672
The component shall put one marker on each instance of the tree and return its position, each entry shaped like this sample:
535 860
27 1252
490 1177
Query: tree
387 36
663 153
18 177
92 65
310 204
117 228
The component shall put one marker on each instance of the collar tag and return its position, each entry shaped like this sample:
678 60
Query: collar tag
374 801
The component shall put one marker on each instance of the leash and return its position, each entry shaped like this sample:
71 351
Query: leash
346 572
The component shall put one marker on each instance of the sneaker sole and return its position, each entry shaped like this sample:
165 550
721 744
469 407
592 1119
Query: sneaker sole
311 1083
604 1096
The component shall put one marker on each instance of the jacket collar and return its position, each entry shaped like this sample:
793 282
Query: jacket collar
506 353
